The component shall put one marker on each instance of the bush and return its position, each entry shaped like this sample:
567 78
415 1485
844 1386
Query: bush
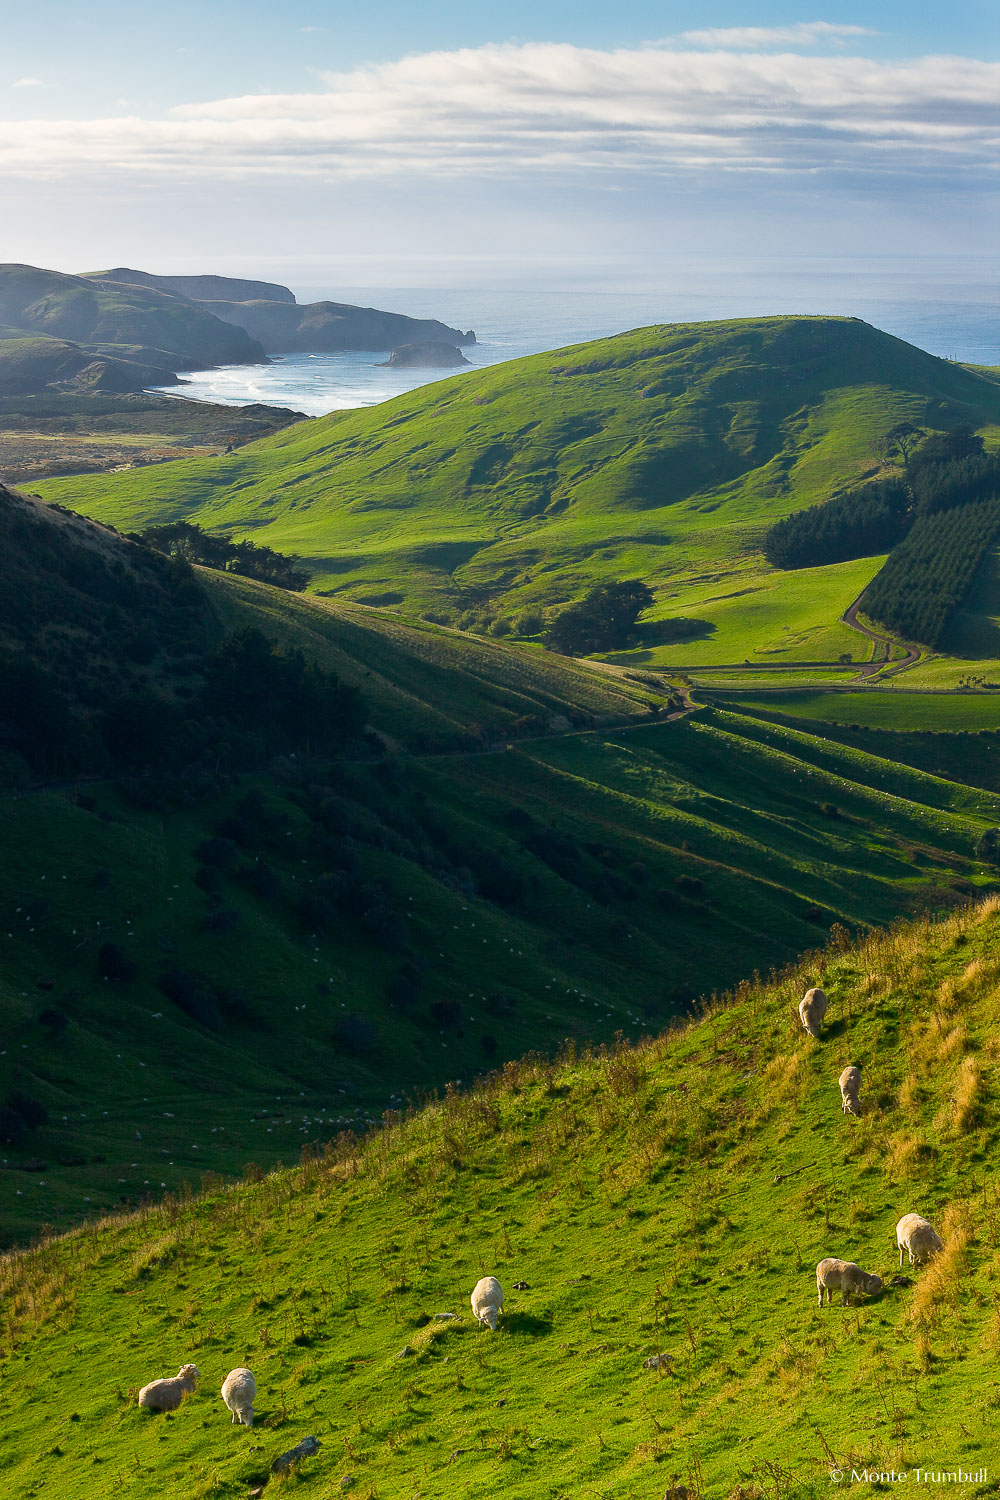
220 853
356 1033
192 993
114 964
32 1111
601 620
208 879
447 1014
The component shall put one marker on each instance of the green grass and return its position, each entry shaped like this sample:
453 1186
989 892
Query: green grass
882 708
662 453
673 1199
575 886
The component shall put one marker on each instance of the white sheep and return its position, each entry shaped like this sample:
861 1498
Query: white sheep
850 1083
918 1237
812 1009
167 1394
833 1274
238 1391
487 1301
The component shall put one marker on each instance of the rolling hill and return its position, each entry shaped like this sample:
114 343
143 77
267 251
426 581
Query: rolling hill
662 1204
104 335
517 849
664 454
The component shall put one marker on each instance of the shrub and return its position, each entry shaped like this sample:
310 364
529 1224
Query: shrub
192 993
220 853
32 1111
356 1033
446 1013
114 964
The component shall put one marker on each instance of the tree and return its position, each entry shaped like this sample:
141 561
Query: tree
602 620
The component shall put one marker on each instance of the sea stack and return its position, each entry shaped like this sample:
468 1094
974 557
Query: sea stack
431 354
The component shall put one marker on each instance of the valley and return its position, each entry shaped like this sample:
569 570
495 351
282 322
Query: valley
356 943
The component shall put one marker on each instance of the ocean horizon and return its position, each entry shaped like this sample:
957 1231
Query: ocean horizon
948 308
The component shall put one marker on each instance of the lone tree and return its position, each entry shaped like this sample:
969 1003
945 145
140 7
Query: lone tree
602 620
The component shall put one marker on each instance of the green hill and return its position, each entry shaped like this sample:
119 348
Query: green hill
669 1201
664 454
518 849
105 335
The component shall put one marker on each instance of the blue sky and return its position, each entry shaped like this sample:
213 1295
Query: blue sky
385 140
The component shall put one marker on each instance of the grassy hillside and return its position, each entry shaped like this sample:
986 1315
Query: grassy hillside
349 935
671 1200
663 453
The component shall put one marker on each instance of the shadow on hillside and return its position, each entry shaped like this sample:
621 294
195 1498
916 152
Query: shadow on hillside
527 1324
669 632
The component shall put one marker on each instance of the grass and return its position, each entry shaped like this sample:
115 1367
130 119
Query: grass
882 708
662 453
653 1200
577 885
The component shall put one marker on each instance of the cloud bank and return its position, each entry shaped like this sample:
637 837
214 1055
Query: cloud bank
506 110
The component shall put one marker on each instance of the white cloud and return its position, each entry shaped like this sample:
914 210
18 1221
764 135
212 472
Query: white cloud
27 83
502 110
756 38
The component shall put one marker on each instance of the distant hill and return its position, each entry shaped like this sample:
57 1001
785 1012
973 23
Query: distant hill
664 454
124 336
270 314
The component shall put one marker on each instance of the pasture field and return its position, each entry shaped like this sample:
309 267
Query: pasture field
884 708
650 1202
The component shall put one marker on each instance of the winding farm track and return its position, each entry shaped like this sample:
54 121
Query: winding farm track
880 661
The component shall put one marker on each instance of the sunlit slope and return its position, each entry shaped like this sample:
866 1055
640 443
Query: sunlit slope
672 1200
428 687
663 453
357 932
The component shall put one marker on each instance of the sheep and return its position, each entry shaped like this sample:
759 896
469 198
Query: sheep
918 1237
850 1083
812 1009
487 1301
305 1449
167 1395
832 1273
238 1391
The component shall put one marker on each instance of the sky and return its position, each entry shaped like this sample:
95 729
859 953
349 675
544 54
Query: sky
419 143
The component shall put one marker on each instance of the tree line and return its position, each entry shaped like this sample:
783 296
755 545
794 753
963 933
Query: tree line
860 523
927 577
940 471
187 540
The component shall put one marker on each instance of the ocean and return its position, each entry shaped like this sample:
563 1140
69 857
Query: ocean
949 308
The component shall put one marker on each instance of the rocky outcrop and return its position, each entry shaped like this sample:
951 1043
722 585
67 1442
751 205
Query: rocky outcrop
431 354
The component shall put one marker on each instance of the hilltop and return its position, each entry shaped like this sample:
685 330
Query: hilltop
667 1200
665 453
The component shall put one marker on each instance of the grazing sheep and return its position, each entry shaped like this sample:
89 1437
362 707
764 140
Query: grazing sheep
918 1237
812 1009
305 1449
850 1082
487 1300
238 1391
167 1395
832 1273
